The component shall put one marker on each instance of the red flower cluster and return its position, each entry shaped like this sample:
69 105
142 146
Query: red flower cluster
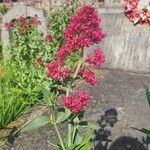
38 61
76 102
35 21
48 38
135 13
56 71
89 76
8 3
62 53
24 24
83 31
9 25
22 20
97 59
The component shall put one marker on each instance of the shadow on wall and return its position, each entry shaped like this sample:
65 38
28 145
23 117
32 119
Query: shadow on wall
101 139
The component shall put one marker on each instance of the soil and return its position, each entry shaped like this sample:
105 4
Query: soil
118 103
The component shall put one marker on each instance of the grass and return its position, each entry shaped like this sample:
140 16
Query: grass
12 102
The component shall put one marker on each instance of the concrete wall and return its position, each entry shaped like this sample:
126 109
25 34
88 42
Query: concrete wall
126 46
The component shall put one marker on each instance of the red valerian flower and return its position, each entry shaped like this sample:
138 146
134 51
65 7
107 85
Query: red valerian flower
135 13
65 72
8 3
97 59
53 70
22 20
62 53
48 38
24 29
89 76
9 25
56 71
39 61
35 21
77 101
84 25
82 31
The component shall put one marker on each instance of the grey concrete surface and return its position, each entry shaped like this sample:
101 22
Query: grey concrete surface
126 46
119 90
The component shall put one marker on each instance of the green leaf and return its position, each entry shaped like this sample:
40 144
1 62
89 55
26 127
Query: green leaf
143 130
147 95
78 139
76 119
89 125
48 98
36 123
86 144
63 115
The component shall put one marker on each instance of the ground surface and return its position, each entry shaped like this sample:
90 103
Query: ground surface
122 96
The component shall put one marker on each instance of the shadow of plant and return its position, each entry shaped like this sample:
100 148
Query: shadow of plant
127 143
101 137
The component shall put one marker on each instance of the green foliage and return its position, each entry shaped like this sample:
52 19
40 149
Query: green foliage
36 123
143 130
147 95
3 8
63 115
27 83
12 101
89 125
22 87
59 20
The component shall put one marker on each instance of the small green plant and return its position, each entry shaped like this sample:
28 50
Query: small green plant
3 8
22 87
59 19
143 130
12 100
29 53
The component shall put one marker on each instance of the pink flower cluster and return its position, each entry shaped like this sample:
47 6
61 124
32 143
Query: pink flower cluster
48 38
56 71
24 24
89 76
9 25
83 31
76 102
8 3
136 14
97 59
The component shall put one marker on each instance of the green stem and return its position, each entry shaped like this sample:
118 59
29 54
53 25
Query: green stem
59 136
69 135
77 69
74 133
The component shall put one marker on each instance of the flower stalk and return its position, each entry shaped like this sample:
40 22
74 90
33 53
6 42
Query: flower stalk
69 135
59 136
77 69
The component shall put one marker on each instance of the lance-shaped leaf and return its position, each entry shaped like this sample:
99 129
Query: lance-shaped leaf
89 125
63 115
36 123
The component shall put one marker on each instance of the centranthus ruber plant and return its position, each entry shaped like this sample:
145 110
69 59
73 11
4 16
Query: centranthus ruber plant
82 31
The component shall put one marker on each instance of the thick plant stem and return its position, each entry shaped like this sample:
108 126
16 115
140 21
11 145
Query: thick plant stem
77 69
69 135
59 136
